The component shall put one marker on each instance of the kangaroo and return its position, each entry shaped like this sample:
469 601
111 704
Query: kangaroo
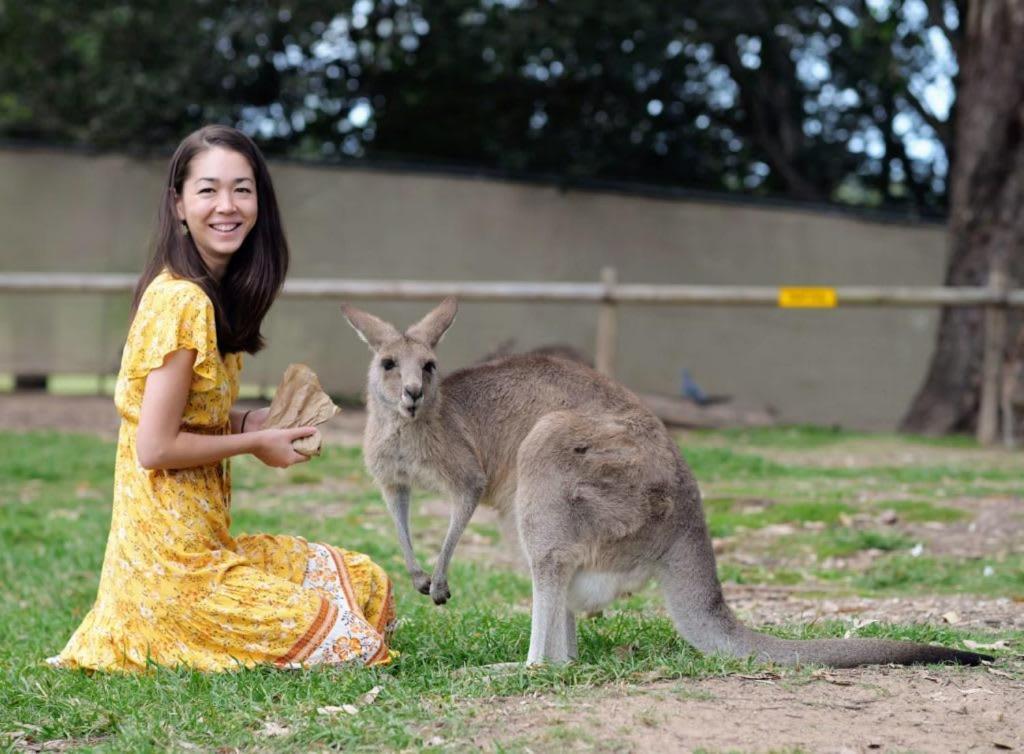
600 494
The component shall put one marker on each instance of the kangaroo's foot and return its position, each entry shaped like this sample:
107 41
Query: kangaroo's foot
439 591
421 581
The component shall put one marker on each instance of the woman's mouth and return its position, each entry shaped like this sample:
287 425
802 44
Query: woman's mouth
226 227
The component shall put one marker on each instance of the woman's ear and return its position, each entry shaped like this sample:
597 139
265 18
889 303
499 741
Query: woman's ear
179 206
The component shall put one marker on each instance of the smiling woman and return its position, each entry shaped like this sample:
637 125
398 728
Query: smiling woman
218 205
177 589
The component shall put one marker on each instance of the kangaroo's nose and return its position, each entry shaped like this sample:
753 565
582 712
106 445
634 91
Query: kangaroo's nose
415 392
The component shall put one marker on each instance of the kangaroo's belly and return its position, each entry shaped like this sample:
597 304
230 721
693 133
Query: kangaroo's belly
592 590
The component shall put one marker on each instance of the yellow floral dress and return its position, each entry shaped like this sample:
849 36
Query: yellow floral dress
176 588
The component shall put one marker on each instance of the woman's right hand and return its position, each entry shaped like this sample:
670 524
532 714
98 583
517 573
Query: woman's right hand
274 446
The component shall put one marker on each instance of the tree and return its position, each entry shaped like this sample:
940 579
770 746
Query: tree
801 98
809 99
136 76
986 221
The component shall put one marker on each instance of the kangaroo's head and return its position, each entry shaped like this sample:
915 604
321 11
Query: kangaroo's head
403 372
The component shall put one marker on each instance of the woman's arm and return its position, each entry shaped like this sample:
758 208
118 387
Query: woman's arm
160 443
252 418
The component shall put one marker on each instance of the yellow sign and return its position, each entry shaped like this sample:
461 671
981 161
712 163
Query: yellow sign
808 298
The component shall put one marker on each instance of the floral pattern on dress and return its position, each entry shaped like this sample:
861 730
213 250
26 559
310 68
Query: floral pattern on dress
351 637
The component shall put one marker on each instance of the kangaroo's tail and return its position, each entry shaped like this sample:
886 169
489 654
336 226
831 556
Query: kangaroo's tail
694 598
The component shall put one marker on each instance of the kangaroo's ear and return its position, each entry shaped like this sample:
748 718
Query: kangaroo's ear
432 328
374 331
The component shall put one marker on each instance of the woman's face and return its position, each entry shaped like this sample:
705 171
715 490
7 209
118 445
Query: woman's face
218 204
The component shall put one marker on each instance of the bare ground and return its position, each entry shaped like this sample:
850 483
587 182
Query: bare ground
864 710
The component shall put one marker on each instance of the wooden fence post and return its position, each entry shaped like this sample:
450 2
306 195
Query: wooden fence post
992 359
607 325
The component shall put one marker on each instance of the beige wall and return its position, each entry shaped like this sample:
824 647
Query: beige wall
72 212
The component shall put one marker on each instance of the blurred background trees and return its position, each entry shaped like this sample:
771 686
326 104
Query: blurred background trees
852 102
826 100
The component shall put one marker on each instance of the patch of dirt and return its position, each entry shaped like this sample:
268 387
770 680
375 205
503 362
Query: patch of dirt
992 529
96 414
995 526
838 712
759 605
861 454
22 742
346 428
88 414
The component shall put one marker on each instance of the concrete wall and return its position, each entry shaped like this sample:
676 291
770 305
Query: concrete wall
71 212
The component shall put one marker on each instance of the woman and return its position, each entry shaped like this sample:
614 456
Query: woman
176 588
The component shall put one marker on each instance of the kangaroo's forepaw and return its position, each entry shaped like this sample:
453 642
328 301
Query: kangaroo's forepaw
422 583
439 593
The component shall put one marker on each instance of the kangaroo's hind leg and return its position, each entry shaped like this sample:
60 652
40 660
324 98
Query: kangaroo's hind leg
548 619
571 646
547 539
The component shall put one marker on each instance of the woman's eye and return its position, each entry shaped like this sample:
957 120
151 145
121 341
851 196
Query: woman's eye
206 190
387 364
429 367
245 190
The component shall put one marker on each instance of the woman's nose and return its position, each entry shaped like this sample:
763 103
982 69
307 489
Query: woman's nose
225 202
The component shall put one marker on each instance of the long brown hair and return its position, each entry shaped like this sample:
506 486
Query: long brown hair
256 272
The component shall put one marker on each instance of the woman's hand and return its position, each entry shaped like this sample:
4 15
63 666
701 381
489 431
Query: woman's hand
274 446
255 419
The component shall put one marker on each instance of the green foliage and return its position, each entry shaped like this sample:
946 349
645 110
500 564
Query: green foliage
801 98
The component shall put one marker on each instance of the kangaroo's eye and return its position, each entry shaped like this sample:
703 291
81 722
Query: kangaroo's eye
429 367
387 364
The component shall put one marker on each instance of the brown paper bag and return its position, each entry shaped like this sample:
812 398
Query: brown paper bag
301 402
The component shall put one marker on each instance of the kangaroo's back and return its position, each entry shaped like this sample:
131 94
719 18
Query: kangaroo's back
500 401
514 392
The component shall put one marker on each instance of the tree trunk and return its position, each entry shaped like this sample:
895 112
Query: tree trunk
986 223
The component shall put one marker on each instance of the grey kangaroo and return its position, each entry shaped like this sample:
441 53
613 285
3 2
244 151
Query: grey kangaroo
601 496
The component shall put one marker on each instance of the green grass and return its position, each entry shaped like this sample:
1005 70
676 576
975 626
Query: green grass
94 384
838 542
921 510
796 437
54 515
986 576
727 515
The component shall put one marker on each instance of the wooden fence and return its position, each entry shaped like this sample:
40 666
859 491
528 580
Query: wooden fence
608 294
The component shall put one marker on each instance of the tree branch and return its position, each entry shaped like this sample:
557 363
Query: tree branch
937 17
943 128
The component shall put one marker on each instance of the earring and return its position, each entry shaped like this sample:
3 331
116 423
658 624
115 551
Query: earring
184 228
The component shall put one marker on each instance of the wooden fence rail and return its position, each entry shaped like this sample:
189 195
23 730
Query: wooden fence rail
608 294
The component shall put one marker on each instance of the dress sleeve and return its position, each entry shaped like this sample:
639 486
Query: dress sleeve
172 316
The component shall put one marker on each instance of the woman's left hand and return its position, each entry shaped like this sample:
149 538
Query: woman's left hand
256 418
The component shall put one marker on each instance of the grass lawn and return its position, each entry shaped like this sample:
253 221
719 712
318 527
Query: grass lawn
789 496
